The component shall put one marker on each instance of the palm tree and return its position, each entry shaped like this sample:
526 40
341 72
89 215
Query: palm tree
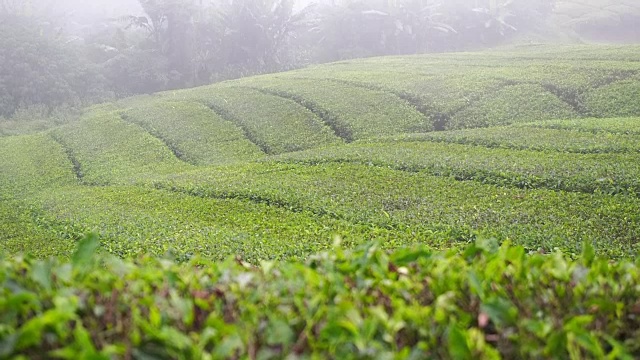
257 33
363 28
602 19
170 25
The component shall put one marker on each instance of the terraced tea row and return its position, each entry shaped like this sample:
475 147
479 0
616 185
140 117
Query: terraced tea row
133 221
589 173
548 136
192 131
418 205
512 104
355 112
627 126
616 99
273 123
109 150
32 163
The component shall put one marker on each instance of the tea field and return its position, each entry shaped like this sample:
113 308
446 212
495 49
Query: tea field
426 164
538 145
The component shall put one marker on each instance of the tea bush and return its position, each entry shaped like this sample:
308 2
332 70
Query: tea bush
610 173
22 231
512 104
487 302
109 150
546 136
627 126
615 100
194 132
32 163
273 123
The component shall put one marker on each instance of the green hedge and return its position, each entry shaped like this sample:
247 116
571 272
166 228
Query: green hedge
613 173
486 302
133 221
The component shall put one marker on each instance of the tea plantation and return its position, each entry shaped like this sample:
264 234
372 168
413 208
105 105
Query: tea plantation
466 205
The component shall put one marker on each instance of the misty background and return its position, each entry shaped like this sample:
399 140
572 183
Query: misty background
57 55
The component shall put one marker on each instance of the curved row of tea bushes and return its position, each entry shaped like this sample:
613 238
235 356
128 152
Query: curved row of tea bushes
356 112
416 205
133 221
194 132
512 104
611 173
539 137
32 163
109 150
275 124
626 126
618 99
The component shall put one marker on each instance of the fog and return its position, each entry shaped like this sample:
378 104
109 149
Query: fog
73 52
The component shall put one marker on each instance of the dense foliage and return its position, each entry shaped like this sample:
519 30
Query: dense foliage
601 20
56 54
38 69
485 302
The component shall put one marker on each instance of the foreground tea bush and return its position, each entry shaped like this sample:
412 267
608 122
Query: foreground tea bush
487 302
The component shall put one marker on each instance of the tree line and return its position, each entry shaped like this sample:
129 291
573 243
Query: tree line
184 43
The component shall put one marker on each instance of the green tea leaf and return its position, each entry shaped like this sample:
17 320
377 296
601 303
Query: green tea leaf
458 347
86 250
588 253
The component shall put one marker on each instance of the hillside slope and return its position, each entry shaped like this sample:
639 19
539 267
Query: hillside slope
535 144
